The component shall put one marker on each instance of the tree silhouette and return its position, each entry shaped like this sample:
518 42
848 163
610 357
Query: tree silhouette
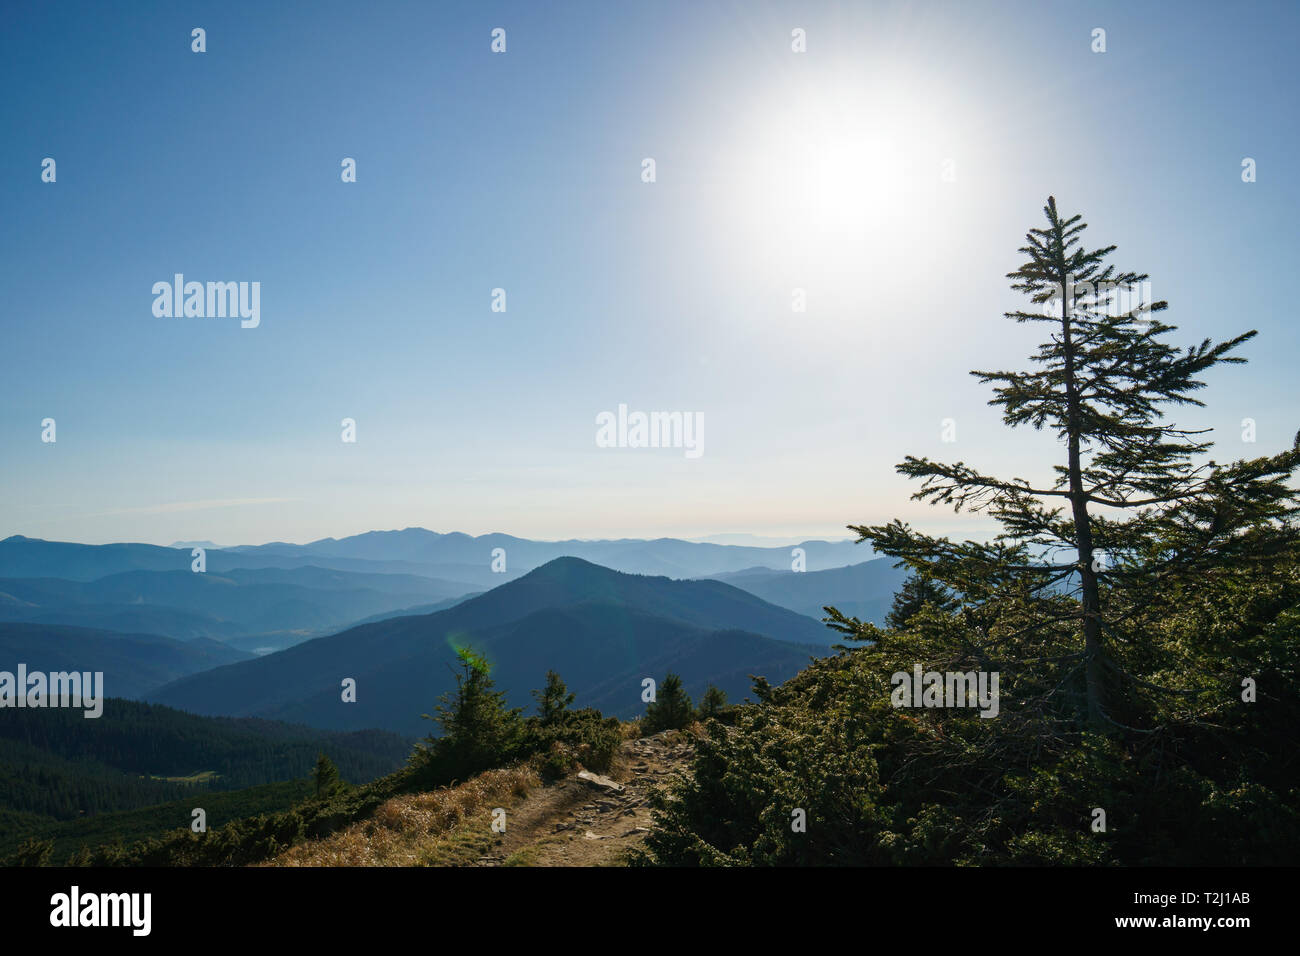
1134 513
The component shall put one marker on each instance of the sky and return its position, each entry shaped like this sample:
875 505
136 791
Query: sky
889 171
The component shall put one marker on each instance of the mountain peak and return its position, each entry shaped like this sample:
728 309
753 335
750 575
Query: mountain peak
568 562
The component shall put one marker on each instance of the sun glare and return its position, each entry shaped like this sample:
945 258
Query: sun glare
836 171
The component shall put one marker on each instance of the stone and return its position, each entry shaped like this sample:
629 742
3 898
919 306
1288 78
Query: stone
599 782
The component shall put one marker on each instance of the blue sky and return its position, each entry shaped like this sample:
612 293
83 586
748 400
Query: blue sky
475 171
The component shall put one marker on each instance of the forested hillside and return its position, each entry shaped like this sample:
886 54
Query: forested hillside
57 765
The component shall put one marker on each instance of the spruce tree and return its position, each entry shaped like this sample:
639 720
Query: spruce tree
554 699
917 592
713 702
1158 686
325 777
479 730
1136 512
671 708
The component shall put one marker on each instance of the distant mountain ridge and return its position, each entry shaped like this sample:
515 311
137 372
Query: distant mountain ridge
250 608
865 591
263 598
454 556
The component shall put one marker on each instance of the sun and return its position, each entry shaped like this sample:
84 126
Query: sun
828 170
831 178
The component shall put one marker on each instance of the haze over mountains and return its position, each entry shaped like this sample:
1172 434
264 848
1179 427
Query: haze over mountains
266 597
864 590
467 558
282 605
453 556
388 608
131 663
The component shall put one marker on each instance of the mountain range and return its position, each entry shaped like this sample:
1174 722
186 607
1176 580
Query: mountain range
315 614
602 630
263 598
453 556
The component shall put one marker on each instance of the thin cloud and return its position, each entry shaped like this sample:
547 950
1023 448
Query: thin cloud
179 506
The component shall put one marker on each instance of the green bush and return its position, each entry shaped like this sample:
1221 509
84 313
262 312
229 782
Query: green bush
885 785
576 738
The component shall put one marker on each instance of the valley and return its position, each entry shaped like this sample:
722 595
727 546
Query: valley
235 657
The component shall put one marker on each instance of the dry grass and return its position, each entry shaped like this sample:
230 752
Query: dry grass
446 827
686 735
529 854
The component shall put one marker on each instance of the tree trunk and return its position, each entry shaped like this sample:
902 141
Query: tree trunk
1094 666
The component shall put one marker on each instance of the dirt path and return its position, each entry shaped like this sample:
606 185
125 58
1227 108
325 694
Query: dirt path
577 822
